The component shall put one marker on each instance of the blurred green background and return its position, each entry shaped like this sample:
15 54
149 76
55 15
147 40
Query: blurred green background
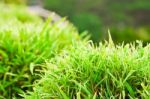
127 20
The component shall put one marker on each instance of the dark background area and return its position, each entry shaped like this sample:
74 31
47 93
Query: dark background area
127 20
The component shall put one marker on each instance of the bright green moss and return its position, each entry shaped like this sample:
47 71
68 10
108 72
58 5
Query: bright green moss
88 72
24 41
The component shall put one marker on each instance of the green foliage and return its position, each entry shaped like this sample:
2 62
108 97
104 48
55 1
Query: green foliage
12 12
129 34
90 22
109 14
14 1
24 43
73 9
138 4
57 5
44 60
88 72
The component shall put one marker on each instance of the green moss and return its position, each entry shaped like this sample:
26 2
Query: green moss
90 72
25 44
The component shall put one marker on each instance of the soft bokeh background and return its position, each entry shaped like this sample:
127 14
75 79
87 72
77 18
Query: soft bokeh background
127 20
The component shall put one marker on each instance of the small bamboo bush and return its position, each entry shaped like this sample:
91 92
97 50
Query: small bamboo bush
25 42
103 72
